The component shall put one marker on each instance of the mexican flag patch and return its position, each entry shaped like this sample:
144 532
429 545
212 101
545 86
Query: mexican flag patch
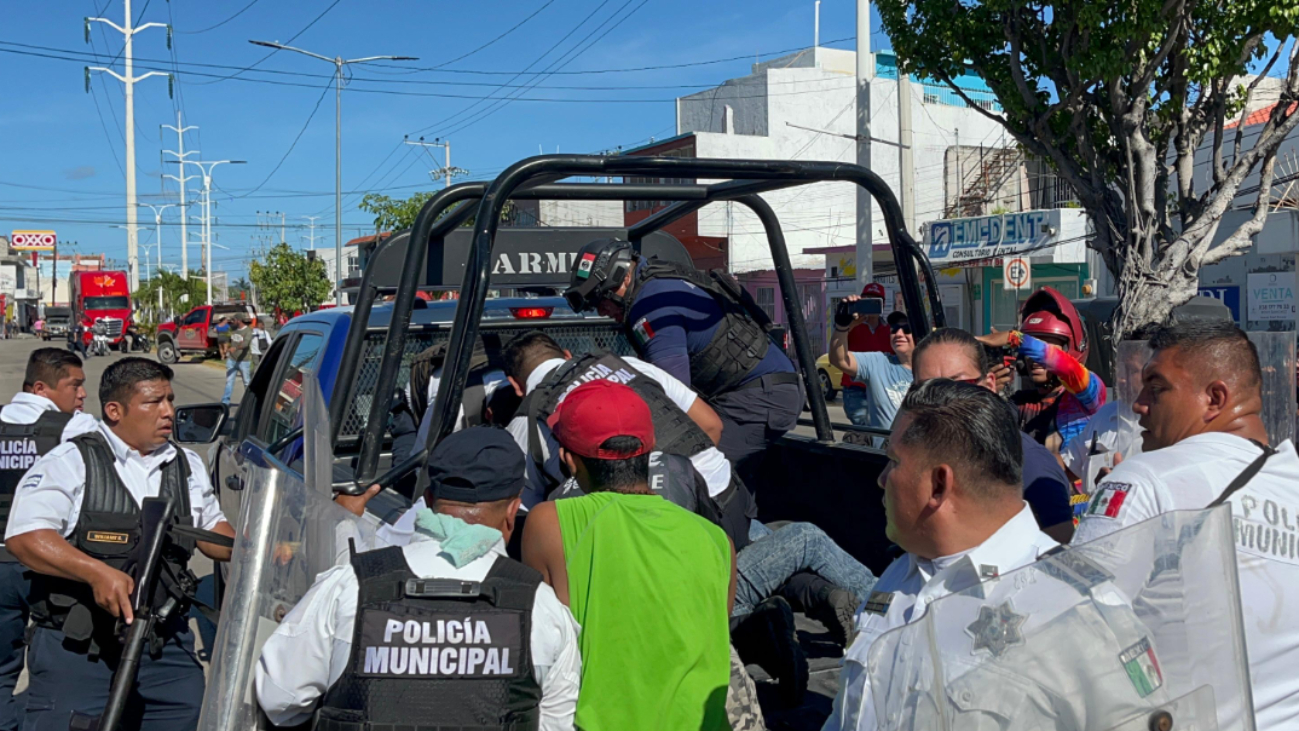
584 266
1142 667
643 332
1109 501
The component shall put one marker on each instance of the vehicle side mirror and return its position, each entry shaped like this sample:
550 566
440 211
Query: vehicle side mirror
200 424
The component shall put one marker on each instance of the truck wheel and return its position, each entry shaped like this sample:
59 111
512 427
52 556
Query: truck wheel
167 352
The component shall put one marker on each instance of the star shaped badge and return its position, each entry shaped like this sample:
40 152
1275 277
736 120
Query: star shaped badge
997 629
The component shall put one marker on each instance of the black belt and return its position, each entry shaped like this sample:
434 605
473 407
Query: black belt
771 379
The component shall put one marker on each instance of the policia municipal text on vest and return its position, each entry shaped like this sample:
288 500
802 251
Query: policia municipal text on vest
20 446
432 654
109 529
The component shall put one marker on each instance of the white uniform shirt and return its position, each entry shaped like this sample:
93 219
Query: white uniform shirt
711 463
492 380
26 408
1105 427
907 587
1265 516
310 649
49 496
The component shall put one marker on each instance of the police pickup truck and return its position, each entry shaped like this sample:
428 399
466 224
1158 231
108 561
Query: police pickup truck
314 419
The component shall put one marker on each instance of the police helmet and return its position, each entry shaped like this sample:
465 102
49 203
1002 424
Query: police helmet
598 272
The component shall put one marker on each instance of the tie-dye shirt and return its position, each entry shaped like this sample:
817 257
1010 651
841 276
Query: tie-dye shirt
1085 392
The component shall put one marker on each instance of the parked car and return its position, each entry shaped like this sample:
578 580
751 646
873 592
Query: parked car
193 333
829 376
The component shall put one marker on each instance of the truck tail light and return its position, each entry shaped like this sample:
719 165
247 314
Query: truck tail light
531 313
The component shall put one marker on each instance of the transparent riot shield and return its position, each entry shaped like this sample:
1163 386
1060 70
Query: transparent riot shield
289 530
1131 358
1113 635
1276 355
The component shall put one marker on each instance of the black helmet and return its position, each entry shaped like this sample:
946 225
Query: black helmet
599 270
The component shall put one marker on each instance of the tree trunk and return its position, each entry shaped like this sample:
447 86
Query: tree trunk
1148 295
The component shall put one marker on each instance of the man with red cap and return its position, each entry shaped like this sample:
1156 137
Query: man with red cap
650 583
1062 394
871 336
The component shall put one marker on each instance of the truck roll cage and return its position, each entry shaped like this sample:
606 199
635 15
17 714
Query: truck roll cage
534 178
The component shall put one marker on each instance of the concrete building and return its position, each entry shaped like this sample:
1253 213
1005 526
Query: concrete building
803 107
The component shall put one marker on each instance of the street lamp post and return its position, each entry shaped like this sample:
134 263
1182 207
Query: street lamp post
157 222
207 209
339 62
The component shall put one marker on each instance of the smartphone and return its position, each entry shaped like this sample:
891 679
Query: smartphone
867 306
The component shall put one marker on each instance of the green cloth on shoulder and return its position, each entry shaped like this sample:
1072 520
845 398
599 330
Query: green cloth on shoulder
647 582
462 543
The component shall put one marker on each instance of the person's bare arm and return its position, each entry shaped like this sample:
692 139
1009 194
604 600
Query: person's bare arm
213 551
46 552
543 548
730 591
707 419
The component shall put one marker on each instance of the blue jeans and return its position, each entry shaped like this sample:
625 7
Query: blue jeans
14 587
774 556
168 695
232 368
856 406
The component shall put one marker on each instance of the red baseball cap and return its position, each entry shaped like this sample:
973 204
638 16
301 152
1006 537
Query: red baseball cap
597 411
874 289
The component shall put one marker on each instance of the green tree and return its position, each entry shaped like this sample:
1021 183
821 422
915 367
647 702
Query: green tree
179 294
395 214
289 280
1119 97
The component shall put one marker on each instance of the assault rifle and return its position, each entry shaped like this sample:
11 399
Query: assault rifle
156 527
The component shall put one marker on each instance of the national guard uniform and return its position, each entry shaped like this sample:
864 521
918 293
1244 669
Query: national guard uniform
430 634
704 329
30 427
89 490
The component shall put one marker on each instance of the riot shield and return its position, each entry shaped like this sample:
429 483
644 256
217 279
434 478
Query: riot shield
1276 355
1130 358
287 533
317 451
1111 635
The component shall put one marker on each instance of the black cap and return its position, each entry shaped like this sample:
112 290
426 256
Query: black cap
898 318
476 465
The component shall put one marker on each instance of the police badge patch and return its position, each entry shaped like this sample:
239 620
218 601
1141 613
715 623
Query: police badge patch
1142 667
997 629
643 331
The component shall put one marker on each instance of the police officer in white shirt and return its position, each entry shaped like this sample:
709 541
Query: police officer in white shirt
46 414
75 520
461 634
953 500
1203 442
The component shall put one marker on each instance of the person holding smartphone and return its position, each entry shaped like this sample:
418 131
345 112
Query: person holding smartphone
887 375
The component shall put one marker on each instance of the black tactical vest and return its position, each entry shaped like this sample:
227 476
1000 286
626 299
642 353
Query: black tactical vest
430 654
20 446
108 529
742 337
674 431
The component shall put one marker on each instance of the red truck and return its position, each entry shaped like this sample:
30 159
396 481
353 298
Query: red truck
103 296
194 332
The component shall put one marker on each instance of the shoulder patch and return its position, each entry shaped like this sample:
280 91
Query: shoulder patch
1108 500
643 331
1142 667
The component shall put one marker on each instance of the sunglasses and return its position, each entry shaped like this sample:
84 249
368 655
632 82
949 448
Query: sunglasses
903 327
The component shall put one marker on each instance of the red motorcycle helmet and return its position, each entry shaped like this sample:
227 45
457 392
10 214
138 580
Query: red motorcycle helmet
1047 312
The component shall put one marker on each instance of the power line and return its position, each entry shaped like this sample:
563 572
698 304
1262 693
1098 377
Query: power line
258 62
218 25
285 156
513 28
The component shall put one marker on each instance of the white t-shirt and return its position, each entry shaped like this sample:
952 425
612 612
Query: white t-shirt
492 380
1265 516
49 495
711 463
26 408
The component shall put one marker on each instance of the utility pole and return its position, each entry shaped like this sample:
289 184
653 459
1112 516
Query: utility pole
312 236
865 74
157 222
207 212
446 172
128 80
339 62
180 131
906 162
282 238
816 28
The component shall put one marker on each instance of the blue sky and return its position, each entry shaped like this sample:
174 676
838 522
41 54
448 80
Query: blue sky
62 149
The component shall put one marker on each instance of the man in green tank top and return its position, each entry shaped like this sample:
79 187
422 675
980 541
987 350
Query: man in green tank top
650 583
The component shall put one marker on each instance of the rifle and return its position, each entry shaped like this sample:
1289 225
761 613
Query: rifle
156 525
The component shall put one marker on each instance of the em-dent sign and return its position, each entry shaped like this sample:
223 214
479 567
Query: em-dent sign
965 239
32 240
